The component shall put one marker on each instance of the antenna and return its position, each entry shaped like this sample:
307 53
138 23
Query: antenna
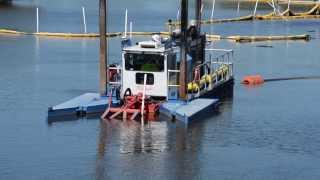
126 24
125 41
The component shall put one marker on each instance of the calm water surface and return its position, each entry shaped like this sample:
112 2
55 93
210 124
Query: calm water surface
269 132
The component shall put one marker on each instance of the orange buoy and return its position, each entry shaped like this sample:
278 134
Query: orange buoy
253 80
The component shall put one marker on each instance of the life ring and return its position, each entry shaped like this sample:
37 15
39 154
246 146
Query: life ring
197 72
193 87
127 92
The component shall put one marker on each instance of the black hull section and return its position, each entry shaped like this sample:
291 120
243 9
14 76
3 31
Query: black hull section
222 91
5 2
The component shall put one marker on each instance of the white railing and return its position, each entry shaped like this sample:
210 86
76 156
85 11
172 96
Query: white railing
224 59
213 64
216 65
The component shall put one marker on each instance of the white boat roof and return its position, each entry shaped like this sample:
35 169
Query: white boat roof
138 48
146 46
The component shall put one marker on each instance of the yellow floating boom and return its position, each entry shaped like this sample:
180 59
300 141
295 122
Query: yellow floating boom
266 2
78 35
8 31
313 13
210 37
305 37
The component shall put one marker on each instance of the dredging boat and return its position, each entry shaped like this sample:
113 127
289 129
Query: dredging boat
177 76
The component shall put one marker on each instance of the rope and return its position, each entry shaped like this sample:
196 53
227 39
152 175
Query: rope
293 78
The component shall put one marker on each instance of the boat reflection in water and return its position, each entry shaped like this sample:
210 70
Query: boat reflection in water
165 149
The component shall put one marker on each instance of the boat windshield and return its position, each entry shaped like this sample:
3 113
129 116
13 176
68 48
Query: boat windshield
144 62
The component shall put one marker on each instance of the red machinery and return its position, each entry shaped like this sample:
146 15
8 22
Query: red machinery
132 107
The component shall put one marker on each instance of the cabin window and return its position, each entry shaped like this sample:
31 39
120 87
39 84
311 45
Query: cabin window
140 78
144 62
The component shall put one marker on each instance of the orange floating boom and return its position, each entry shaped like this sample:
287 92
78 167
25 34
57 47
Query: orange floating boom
253 80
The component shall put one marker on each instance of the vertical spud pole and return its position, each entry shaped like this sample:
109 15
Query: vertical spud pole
103 47
183 55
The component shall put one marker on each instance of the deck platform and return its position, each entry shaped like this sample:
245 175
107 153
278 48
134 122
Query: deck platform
93 103
84 104
188 111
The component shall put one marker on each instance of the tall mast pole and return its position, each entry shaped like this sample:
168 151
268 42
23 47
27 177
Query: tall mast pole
183 52
198 53
103 47
198 15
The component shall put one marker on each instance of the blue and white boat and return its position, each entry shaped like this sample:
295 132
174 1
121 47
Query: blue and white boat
180 72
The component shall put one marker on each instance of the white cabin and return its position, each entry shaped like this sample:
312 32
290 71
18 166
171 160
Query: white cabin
153 59
161 64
